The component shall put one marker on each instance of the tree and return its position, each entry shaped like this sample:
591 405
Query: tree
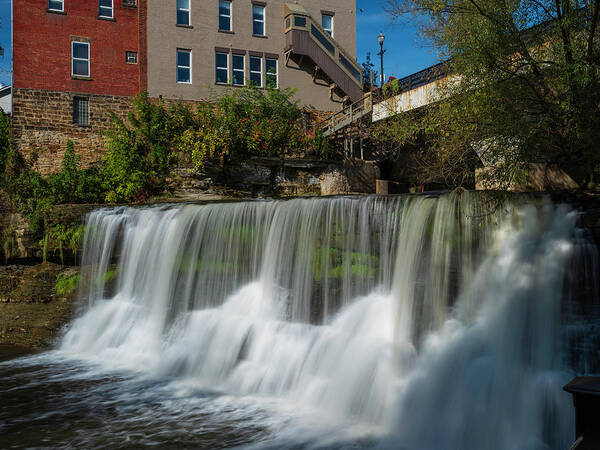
369 73
525 87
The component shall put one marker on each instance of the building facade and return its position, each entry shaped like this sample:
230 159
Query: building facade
200 47
74 60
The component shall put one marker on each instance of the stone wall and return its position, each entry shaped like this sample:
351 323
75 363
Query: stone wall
43 123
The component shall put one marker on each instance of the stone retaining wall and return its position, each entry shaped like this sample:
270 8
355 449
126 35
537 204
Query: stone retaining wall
43 123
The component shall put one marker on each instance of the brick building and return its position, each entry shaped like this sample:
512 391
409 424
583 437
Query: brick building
73 60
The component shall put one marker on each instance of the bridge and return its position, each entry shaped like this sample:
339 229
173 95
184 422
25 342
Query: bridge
414 91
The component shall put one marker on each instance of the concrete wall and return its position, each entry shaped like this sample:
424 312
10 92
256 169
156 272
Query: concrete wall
164 37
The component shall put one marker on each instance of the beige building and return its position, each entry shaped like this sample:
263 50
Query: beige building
199 47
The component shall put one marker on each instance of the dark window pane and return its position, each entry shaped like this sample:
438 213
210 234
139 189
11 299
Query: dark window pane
183 75
238 78
80 68
255 65
80 50
183 58
258 12
271 65
258 28
300 21
221 59
225 8
271 81
106 3
255 79
183 4
238 62
183 17
55 4
224 23
105 12
222 76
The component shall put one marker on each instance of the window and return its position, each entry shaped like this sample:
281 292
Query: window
80 56
222 65
183 12
271 76
131 57
327 23
184 66
258 20
105 8
56 5
81 115
256 71
237 63
225 15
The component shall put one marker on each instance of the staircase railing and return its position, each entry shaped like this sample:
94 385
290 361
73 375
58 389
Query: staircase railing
347 116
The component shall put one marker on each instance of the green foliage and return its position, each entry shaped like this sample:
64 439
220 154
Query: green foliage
5 140
248 122
60 236
66 285
525 87
140 154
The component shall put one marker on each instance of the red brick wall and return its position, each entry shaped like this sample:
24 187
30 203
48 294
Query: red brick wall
42 47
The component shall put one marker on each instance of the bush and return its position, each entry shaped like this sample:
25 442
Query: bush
248 122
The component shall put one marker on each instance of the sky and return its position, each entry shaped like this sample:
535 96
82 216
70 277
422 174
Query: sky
5 61
404 55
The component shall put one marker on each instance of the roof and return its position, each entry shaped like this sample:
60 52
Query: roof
584 385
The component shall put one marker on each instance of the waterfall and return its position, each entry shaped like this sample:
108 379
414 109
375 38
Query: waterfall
444 320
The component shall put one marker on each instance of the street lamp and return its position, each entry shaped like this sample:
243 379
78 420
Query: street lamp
381 38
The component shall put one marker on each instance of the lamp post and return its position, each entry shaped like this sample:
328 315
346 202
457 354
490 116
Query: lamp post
381 38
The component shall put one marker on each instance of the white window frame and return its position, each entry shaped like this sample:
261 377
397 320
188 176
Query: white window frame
230 16
112 10
234 70
62 6
263 21
221 67
88 59
188 10
330 32
259 72
177 66
276 73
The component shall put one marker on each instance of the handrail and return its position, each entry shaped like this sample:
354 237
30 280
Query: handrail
347 115
297 18
420 78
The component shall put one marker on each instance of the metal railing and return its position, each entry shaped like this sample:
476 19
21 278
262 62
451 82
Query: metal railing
418 79
348 115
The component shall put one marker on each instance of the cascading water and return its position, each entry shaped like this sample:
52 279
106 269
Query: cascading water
435 322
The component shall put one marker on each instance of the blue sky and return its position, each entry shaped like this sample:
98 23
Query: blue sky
404 56
5 41
405 53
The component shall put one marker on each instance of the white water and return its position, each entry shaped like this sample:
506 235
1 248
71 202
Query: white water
437 321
